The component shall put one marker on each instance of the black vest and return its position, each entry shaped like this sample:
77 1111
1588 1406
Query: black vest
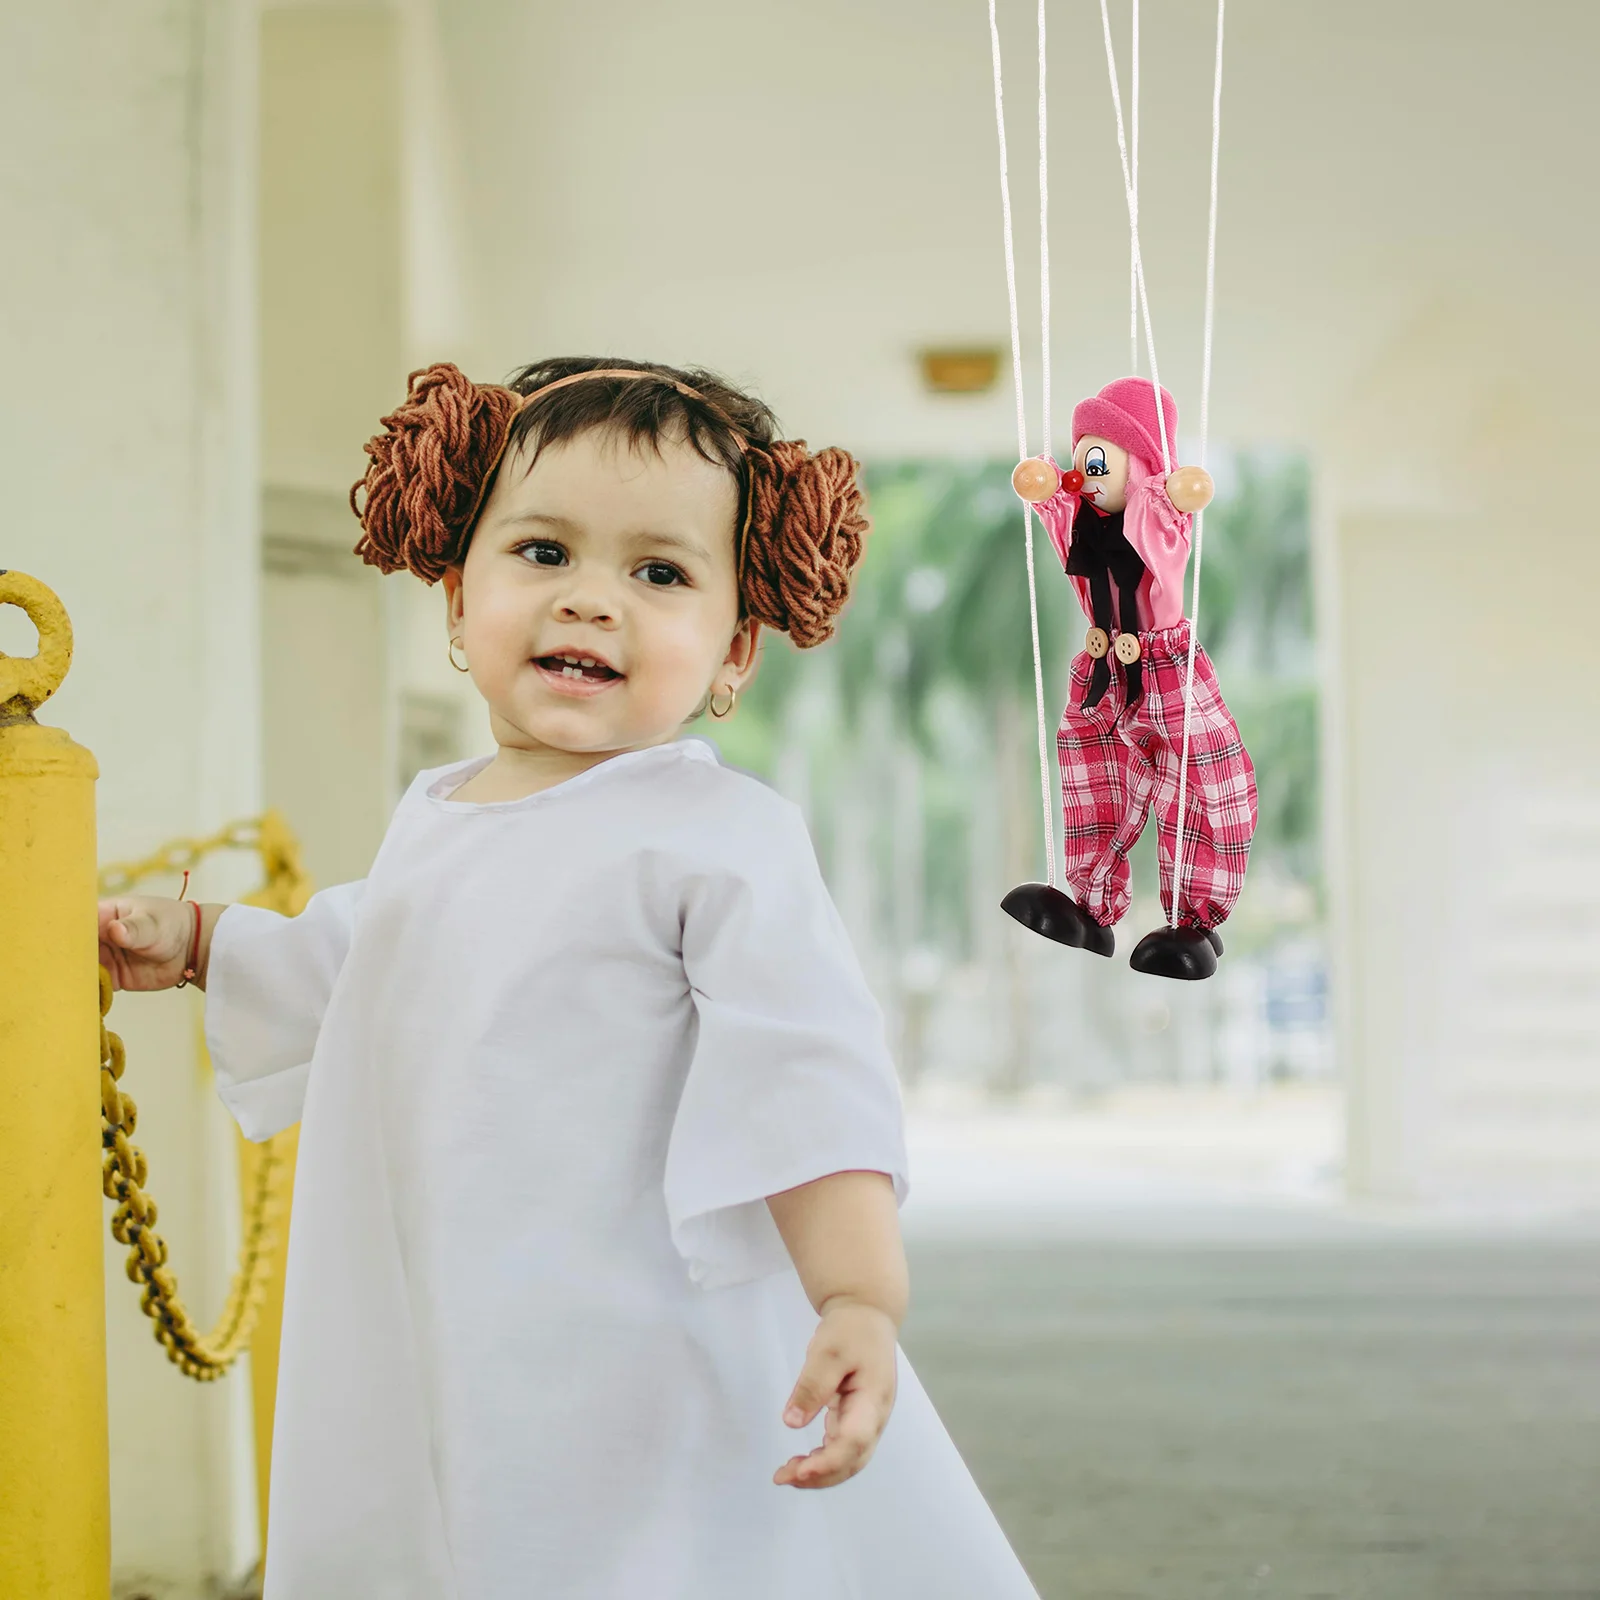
1101 553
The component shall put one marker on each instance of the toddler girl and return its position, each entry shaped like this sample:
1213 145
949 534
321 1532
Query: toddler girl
601 1142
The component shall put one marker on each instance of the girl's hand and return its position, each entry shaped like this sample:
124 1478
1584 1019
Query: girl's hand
850 1369
145 941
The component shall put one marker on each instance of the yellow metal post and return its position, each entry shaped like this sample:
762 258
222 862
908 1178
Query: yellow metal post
55 1515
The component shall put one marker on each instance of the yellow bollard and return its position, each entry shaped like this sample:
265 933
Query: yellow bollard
55 1514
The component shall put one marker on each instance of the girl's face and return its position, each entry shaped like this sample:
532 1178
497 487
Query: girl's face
1105 472
598 604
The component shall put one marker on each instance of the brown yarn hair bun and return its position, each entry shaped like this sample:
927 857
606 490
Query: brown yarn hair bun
807 532
428 471
802 516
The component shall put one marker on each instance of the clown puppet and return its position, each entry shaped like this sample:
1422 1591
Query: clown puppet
1121 525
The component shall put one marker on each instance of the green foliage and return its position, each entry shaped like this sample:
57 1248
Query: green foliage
1255 584
1278 722
1255 620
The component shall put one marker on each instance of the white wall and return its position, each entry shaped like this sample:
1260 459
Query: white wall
1470 952
128 445
1463 564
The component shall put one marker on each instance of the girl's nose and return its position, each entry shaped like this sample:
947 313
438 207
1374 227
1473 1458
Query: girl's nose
589 606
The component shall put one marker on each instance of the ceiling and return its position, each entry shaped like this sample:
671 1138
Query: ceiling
804 194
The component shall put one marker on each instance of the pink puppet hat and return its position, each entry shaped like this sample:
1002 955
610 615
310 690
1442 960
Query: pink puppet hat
1125 413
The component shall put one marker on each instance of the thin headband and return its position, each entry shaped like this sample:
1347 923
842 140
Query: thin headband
636 372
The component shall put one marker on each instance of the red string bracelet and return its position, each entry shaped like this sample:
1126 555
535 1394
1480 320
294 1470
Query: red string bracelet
194 944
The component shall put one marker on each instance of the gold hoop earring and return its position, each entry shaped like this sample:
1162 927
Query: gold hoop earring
462 667
727 711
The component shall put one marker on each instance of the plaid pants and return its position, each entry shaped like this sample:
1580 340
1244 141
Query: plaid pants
1119 763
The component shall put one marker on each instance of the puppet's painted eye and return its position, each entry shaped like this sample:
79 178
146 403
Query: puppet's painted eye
1094 464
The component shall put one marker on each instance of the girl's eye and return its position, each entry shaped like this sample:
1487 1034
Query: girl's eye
543 553
661 574
1094 464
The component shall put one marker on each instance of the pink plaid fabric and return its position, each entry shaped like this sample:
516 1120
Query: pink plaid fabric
1118 764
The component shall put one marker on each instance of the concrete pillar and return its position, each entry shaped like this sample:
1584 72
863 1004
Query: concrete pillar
359 283
1460 555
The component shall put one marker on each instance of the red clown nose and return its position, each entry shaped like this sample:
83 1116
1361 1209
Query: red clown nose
1072 481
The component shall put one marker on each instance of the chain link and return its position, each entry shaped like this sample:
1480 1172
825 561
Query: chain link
202 1356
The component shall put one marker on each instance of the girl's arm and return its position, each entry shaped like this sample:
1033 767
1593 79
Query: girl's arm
269 980
147 942
843 1234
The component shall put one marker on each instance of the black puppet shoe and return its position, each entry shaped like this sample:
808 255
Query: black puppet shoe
1187 954
1214 939
1048 912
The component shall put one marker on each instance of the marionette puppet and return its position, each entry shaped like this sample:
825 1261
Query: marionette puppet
1121 525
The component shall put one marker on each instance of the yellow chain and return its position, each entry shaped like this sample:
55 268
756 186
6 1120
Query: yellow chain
203 1356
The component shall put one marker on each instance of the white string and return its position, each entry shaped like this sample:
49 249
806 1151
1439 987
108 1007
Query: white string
1005 214
1205 429
1133 274
1133 237
1044 235
1022 428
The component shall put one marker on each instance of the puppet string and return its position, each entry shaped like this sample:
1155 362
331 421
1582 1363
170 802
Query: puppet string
1133 236
1205 430
1044 236
1022 427
1133 273
1011 255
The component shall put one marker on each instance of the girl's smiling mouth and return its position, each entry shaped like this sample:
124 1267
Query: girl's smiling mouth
574 672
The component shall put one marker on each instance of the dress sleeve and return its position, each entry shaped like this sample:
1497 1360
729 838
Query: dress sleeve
791 1078
267 986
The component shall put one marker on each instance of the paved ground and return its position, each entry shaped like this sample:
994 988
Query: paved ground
1209 1394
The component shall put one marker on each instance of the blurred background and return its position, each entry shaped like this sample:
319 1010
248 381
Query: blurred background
1283 1284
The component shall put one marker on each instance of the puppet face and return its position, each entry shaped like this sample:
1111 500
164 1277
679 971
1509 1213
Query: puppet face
1105 472
598 604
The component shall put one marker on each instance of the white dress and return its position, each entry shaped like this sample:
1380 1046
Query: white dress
551 1056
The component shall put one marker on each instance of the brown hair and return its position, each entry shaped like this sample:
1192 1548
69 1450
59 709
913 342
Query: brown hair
802 516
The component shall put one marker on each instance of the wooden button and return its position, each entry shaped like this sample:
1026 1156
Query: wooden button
1128 650
1096 643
